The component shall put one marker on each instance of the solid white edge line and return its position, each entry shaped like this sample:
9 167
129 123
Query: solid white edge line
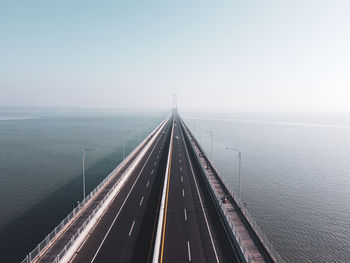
126 198
80 241
200 199
157 243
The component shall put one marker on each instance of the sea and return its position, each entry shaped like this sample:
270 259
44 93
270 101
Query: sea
295 171
295 176
41 165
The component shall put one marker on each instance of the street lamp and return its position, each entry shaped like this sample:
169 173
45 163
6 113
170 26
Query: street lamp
211 144
239 168
84 151
198 129
139 130
124 132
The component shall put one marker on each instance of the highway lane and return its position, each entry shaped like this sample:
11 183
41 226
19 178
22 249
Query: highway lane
115 236
181 241
193 228
224 250
59 244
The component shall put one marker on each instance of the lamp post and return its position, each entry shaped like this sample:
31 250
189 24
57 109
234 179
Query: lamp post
84 151
124 132
239 168
211 144
139 130
198 129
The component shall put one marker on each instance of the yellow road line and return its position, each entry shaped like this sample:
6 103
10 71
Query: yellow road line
166 199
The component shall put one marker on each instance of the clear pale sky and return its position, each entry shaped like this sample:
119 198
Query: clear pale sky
234 55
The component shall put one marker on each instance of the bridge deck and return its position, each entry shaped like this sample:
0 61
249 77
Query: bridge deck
66 235
194 216
192 230
253 247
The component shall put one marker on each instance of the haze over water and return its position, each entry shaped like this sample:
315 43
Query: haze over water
295 177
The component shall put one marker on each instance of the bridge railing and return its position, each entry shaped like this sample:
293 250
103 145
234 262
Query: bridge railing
42 245
233 228
264 240
83 226
87 221
56 232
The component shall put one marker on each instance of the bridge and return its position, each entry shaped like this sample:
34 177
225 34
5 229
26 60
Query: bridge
165 202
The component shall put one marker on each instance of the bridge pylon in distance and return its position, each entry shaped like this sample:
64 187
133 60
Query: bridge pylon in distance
174 103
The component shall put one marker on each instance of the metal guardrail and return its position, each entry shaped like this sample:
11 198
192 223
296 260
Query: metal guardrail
40 247
81 229
264 240
260 234
50 237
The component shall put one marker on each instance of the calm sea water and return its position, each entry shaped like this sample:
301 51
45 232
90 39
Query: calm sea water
295 177
295 172
41 165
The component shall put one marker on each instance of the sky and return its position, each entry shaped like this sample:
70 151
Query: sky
244 56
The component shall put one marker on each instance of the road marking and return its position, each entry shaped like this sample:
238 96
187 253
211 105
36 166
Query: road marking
182 179
126 198
200 199
147 183
180 168
141 201
189 250
179 155
132 227
183 192
157 156
185 213
170 156
152 171
155 163
180 161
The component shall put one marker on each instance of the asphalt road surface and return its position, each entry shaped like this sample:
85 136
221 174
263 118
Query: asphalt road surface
192 228
115 236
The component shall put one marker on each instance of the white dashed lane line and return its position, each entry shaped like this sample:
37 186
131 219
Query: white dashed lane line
141 201
185 214
147 183
189 250
182 179
183 192
132 227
